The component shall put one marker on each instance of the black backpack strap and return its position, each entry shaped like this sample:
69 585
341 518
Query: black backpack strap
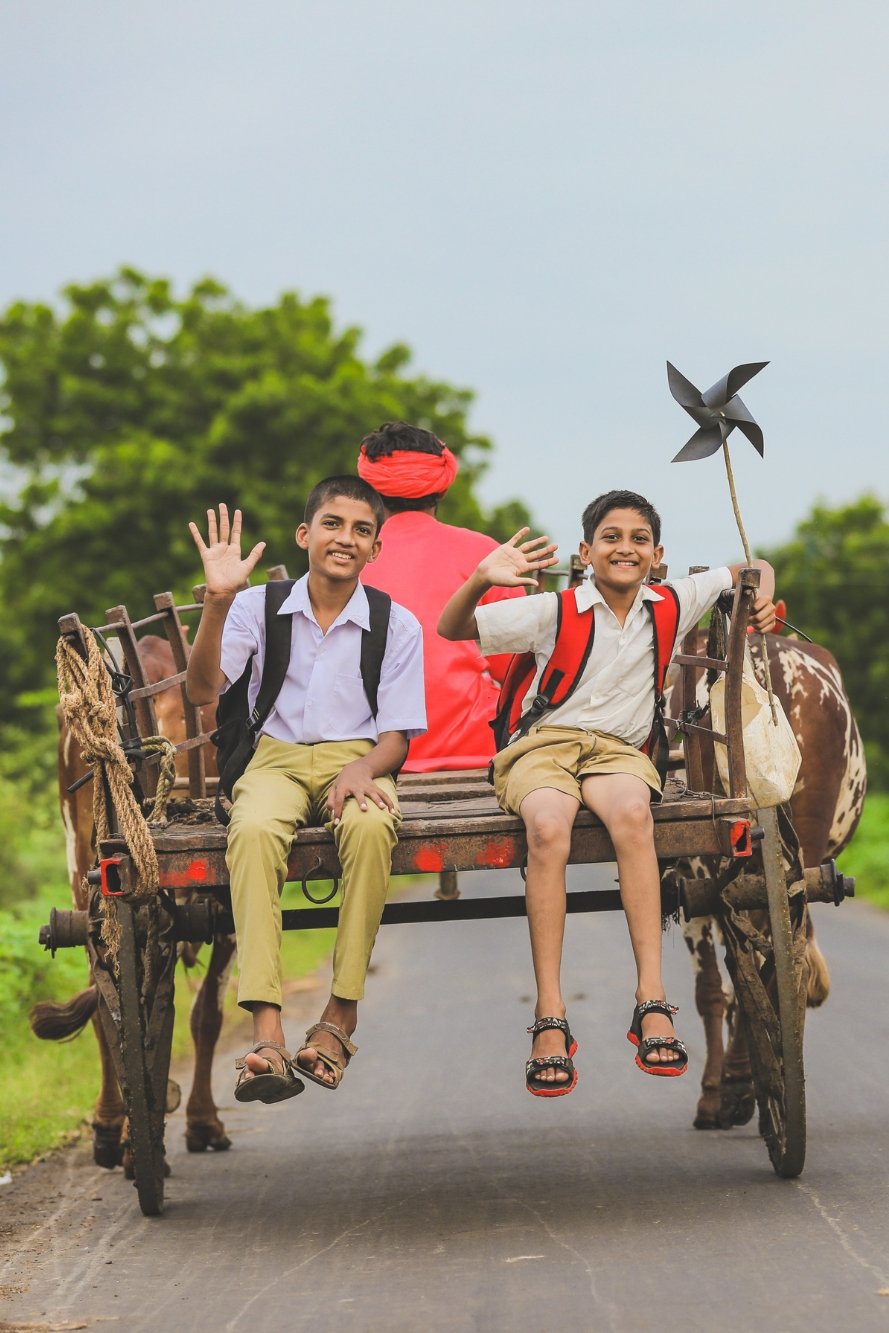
278 638
373 643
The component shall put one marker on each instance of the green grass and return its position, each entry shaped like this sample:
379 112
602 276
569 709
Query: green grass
868 856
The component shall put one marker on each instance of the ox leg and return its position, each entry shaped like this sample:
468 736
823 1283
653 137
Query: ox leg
737 1097
711 1005
203 1128
818 981
108 1116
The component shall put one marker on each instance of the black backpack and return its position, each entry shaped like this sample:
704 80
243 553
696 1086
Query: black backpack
236 729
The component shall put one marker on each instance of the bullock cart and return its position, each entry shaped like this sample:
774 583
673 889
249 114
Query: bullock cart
139 917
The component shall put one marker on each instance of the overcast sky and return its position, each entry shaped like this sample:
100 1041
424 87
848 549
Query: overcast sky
545 201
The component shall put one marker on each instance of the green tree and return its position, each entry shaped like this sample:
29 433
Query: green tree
126 412
834 576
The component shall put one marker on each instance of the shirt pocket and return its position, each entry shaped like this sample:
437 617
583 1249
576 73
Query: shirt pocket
348 709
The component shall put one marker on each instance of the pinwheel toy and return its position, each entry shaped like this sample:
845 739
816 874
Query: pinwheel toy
717 412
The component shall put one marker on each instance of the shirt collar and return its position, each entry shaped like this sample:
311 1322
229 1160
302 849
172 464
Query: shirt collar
587 594
356 609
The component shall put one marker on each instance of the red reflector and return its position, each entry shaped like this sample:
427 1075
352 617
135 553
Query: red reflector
197 872
740 839
107 869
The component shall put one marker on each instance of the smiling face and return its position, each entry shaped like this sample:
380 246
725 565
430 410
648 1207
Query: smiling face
340 539
622 552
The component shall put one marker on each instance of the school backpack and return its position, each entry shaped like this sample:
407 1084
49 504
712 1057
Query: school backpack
237 729
575 631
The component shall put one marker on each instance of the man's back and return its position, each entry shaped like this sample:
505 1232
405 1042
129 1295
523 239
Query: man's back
421 565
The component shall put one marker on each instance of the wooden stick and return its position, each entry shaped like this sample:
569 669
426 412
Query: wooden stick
749 558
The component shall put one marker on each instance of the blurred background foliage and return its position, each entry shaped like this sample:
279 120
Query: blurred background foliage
126 411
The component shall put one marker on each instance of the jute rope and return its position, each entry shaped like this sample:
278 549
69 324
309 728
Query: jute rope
90 709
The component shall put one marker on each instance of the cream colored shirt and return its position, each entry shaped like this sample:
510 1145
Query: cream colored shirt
616 691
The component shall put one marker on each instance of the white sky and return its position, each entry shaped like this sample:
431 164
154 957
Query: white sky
545 201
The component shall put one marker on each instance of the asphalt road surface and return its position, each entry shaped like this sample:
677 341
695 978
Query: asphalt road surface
430 1192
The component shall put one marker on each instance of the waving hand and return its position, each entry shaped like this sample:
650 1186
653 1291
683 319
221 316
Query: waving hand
225 571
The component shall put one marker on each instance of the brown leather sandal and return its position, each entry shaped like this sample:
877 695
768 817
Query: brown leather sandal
275 1085
336 1066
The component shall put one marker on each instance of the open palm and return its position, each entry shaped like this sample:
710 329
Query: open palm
518 562
225 572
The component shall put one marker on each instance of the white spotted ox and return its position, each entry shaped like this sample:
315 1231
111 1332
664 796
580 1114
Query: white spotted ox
204 1129
826 805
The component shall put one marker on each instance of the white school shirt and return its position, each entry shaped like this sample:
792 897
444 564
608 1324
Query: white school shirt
322 698
616 690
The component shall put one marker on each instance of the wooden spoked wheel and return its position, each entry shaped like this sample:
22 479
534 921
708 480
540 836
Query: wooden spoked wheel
765 954
147 960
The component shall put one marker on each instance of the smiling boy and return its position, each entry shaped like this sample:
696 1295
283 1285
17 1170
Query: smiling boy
325 754
588 751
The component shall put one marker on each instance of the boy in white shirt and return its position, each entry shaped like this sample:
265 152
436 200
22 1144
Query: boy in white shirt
586 752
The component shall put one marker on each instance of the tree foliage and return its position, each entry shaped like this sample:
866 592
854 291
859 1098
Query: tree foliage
834 576
129 411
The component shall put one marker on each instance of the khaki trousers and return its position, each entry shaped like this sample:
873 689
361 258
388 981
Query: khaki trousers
285 788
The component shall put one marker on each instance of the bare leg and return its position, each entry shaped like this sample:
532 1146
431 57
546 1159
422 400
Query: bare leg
266 1027
623 804
548 816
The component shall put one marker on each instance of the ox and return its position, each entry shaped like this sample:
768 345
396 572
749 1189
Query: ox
825 808
204 1129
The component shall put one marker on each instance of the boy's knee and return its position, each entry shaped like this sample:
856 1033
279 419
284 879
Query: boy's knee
370 825
547 832
633 820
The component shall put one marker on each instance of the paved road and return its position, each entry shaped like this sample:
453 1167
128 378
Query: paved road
431 1192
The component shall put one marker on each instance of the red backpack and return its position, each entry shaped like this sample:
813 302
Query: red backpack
575 631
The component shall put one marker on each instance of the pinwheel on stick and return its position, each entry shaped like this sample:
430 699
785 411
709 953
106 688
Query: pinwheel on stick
717 412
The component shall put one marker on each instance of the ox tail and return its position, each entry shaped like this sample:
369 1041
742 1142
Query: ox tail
818 984
53 1022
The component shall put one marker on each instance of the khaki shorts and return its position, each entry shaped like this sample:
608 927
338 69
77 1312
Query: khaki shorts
561 757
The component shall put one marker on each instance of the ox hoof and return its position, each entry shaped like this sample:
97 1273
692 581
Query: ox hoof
107 1147
200 1137
737 1102
707 1111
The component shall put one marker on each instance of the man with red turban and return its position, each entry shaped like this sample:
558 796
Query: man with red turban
421 565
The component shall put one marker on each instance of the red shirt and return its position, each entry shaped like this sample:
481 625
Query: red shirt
422 564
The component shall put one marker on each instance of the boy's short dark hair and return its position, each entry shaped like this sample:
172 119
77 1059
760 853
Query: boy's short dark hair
350 488
597 509
395 437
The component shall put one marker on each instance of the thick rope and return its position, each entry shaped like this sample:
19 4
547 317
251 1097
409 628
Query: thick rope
90 709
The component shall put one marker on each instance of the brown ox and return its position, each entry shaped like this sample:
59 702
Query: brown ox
826 805
204 1129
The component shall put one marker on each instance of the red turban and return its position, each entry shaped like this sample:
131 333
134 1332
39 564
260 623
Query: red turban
407 474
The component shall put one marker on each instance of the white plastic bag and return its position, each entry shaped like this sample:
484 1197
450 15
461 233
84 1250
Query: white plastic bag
771 753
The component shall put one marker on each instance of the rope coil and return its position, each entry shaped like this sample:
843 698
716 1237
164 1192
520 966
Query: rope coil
90 710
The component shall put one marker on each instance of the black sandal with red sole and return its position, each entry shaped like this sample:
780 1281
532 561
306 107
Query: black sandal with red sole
534 1067
646 1044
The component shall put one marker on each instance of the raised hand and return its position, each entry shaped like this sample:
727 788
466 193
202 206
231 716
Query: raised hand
225 572
518 562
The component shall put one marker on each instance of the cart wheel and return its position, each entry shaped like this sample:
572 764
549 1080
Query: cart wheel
768 969
145 1039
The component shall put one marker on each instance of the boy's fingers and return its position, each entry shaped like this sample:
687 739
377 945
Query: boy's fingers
212 531
254 555
198 539
516 537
